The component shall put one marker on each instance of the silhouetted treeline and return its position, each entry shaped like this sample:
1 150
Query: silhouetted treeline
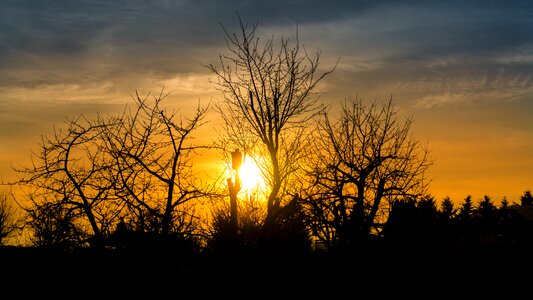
423 241
471 225
413 223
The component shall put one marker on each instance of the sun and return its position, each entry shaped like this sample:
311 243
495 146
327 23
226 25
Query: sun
250 175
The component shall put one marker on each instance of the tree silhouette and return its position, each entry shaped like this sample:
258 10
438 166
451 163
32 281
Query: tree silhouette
447 209
465 232
153 152
427 208
403 223
487 217
526 199
221 232
268 101
504 204
413 223
466 210
447 222
486 208
366 160
8 217
55 226
135 167
72 170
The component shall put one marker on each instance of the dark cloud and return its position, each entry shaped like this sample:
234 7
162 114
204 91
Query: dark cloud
141 30
71 26
85 42
462 39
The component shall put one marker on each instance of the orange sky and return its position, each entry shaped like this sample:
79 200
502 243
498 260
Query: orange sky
462 70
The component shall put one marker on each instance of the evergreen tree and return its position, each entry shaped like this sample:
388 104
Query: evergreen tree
504 204
447 210
527 198
466 209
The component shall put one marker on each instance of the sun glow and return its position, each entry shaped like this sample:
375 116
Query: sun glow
250 175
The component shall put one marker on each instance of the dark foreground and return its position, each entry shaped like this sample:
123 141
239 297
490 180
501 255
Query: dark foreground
378 271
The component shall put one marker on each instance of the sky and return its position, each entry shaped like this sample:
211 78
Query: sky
462 69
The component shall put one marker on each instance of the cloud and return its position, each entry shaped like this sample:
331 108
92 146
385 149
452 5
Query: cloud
469 89
62 92
449 61
189 84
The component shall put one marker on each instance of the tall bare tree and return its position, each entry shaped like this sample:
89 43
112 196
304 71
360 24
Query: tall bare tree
268 100
153 151
365 159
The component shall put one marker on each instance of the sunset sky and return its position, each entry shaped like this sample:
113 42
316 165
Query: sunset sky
463 69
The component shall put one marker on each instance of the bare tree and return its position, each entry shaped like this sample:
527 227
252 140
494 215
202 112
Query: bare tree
267 102
8 217
72 170
153 151
92 173
364 161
